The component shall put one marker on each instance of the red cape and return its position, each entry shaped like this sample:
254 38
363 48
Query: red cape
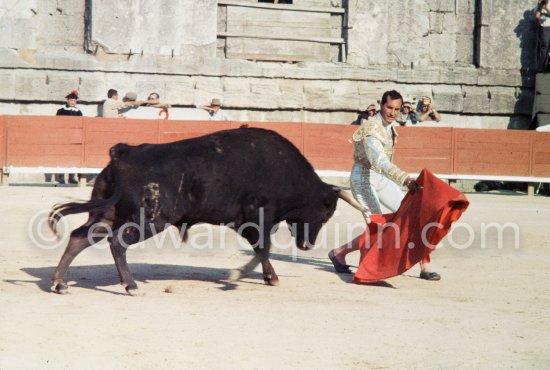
394 242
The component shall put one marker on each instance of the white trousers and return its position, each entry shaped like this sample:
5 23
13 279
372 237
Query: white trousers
371 189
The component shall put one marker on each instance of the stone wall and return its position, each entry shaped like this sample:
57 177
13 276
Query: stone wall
419 47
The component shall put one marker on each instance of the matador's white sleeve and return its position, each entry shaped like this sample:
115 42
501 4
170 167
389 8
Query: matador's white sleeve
380 161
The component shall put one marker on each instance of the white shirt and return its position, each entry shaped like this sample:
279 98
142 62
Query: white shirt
220 115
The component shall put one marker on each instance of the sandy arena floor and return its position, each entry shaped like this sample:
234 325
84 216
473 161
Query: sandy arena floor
490 310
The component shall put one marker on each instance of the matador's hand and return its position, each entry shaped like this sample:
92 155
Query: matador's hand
411 184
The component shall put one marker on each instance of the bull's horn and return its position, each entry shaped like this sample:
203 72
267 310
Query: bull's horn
344 195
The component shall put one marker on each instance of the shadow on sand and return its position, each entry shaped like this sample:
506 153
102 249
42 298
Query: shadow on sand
99 277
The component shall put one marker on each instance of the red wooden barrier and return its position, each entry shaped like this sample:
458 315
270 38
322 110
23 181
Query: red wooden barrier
34 141
170 131
291 130
492 152
102 133
424 147
327 147
540 156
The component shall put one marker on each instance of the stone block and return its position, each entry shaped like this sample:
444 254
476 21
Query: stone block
60 84
121 82
149 34
501 77
450 23
465 6
179 90
442 48
291 94
10 58
468 121
436 22
7 80
476 100
448 98
465 49
264 93
18 33
30 85
92 87
207 88
317 95
236 92
464 23
503 100
245 68
371 93
441 5
236 86
64 30
10 109
370 74
459 76
344 96
46 7
419 75
70 7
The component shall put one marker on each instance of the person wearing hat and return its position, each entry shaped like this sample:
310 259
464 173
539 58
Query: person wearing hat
70 109
112 107
425 110
367 114
215 111
407 115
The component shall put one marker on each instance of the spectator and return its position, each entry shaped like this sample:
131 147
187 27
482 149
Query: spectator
130 101
112 105
425 110
215 111
69 109
407 115
367 114
153 101
542 14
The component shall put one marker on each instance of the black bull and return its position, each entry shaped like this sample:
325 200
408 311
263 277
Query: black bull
232 177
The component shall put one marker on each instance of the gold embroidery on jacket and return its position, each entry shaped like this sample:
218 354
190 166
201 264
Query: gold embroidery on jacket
373 148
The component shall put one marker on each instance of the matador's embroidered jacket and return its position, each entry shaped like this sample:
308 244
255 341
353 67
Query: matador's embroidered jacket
373 148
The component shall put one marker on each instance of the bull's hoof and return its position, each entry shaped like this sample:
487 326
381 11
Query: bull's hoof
133 291
60 287
270 279
236 274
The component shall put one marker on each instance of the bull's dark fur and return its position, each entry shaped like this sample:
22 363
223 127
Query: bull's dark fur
226 177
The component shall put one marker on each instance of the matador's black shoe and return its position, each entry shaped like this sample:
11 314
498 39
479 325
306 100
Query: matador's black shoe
432 276
339 267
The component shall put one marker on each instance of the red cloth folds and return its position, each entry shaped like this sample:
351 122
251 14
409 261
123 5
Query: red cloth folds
395 242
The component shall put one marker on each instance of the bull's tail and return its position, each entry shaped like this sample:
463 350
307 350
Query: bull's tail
93 205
